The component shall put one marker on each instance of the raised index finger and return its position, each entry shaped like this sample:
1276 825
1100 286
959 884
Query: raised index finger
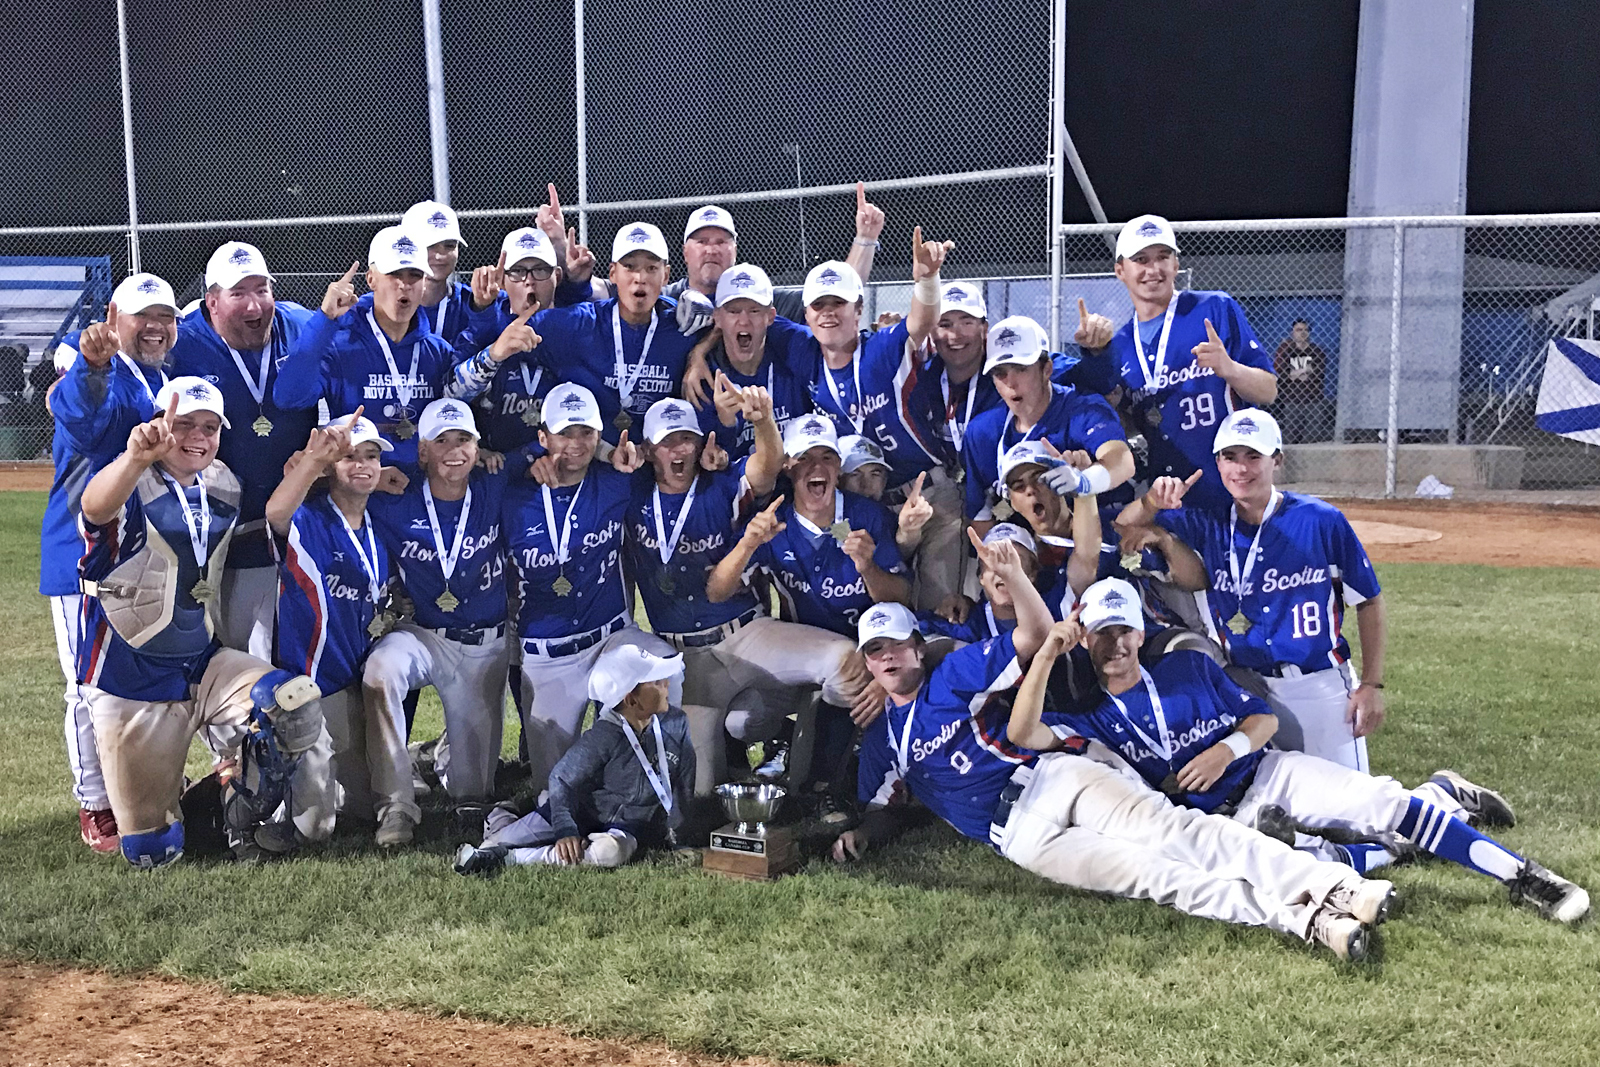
1188 483
772 508
555 201
355 416
349 275
861 195
1083 312
172 408
1211 331
916 487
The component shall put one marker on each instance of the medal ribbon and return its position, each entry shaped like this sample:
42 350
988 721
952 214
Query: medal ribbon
861 400
663 545
958 431
138 376
658 782
1000 447
199 526
447 563
902 751
1250 559
838 515
402 386
369 555
988 612
561 545
1150 375
626 381
530 383
258 385
1162 748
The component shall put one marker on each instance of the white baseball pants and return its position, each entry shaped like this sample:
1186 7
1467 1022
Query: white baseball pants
246 610
83 758
1311 716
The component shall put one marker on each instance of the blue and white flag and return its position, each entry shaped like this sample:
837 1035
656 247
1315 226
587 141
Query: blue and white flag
1569 396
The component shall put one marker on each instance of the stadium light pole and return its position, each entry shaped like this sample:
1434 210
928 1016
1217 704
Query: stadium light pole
127 138
438 131
581 105
805 259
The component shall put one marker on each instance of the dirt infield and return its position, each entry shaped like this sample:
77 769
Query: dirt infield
36 476
1501 535
55 1016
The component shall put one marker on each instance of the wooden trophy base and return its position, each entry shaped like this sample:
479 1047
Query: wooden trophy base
760 857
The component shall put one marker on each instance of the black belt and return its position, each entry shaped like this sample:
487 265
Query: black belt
467 635
715 635
1008 797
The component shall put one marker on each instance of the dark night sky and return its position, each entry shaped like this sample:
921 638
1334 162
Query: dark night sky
1194 108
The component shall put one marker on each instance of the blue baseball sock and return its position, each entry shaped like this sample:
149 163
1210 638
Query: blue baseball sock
1439 833
1367 858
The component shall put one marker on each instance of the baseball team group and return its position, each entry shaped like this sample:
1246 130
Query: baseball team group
1053 598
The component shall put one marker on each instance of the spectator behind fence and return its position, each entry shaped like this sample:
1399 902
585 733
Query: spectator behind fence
1300 364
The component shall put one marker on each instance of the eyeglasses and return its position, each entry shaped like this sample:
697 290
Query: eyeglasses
538 273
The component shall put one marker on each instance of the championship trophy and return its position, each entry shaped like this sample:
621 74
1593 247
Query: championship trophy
747 847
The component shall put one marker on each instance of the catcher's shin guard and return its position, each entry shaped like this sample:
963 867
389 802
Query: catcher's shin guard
289 703
283 724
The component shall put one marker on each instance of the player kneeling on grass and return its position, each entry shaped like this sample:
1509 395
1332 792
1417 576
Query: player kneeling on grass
1063 807
623 785
156 523
1195 735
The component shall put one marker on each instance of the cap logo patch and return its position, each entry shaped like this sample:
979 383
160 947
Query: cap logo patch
638 235
149 285
438 220
240 256
199 391
878 618
813 425
405 246
1113 599
743 280
708 213
1007 336
572 402
1245 425
449 413
1149 229
672 415
872 450
530 240
955 293
828 277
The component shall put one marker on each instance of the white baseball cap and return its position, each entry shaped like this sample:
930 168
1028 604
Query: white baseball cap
528 243
194 394
888 619
1140 233
1252 428
1010 531
639 237
963 296
833 278
744 281
232 263
710 215
570 405
669 415
859 452
619 671
393 249
445 414
363 431
139 291
1015 339
808 432
432 222
1025 454
1111 602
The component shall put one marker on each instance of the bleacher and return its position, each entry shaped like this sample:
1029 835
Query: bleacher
41 299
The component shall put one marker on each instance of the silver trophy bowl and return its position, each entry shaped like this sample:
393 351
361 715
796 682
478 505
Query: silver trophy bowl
750 805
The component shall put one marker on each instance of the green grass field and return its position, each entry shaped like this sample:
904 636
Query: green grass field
935 951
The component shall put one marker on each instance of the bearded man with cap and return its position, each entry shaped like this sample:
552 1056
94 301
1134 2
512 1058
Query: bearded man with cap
1036 409
156 523
1185 360
114 371
565 543
443 300
1282 568
623 786
376 352
239 342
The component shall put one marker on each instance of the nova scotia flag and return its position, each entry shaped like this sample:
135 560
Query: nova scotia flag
1569 396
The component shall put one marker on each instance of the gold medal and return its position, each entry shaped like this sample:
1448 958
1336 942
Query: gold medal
1132 563
447 601
262 426
382 622
1239 624
202 591
561 586
622 421
1153 416
1003 510
840 531
405 429
530 414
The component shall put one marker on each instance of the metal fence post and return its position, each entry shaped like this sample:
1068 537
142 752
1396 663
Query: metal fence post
1058 127
1391 452
438 130
127 137
581 102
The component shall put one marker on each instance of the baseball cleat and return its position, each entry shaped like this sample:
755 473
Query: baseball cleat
471 859
1275 823
1367 900
1551 895
466 821
279 838
1484 806
776 764
98 829
394 830
1342 933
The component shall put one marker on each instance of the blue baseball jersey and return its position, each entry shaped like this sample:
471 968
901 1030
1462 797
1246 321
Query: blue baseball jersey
674 593
594 510
955 757
817 583
478 579
174 658
341 361
1072 421
788 346
325 595
1180 406
887 371
95 410
1310 565
578 341
1182 705
256 460
451 314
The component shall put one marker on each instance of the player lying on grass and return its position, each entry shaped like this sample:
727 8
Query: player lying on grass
625 783
1195 735
1063 807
